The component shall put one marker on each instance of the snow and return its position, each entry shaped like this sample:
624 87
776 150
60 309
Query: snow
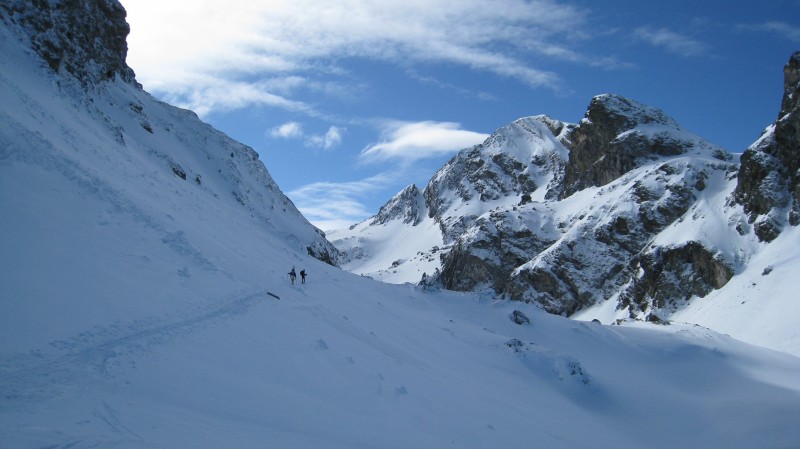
755 305
387 253
137 311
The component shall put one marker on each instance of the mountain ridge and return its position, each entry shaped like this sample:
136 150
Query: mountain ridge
627 208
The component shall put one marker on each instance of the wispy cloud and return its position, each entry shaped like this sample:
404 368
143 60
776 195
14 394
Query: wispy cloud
331 139
481 95
411 141
185 51
204 94
671 41
782 29
330 205
293 130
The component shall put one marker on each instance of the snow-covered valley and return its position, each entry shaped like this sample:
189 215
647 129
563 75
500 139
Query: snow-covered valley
144 303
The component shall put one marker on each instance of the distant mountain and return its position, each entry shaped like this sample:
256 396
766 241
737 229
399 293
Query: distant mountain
625 212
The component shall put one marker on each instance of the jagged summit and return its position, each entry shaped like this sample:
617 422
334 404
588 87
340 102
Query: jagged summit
618 135
519 159
144 303
791 86
407 206
619 113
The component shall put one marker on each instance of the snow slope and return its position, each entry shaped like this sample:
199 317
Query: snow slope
139 309
366 365
758 304
388 252
89 178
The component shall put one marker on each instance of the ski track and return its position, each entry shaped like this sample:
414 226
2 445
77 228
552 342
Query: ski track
33 377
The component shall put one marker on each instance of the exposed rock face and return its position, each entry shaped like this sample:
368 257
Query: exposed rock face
501 239
405 206
769 178
617 136
85 38
673 275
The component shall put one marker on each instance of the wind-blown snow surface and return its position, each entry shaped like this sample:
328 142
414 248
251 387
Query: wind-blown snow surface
137 311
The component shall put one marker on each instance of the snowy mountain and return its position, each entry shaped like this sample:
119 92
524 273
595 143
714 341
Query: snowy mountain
144 301
624 215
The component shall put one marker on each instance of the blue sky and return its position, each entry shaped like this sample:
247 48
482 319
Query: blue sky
350 101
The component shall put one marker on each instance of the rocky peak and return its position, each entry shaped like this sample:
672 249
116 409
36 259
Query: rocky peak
768 185
618 135
83 38
791 85
518 162
404 206
616 114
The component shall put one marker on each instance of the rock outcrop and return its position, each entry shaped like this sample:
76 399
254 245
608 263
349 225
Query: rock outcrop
769 178
406 206
84 38
616 136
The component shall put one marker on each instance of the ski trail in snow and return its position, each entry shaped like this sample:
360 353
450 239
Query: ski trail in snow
107 414
93 352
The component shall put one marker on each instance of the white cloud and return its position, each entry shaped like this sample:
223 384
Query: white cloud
290 130
330 205
409 142
331 139
293 130
671 41
205 94
181 50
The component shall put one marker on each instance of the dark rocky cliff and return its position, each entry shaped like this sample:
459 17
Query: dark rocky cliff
406 206
769 178
610 142
84 38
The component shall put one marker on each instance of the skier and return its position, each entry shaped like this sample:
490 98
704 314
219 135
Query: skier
303 275
292 275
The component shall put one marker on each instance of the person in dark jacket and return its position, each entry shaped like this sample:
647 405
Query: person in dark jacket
303 275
